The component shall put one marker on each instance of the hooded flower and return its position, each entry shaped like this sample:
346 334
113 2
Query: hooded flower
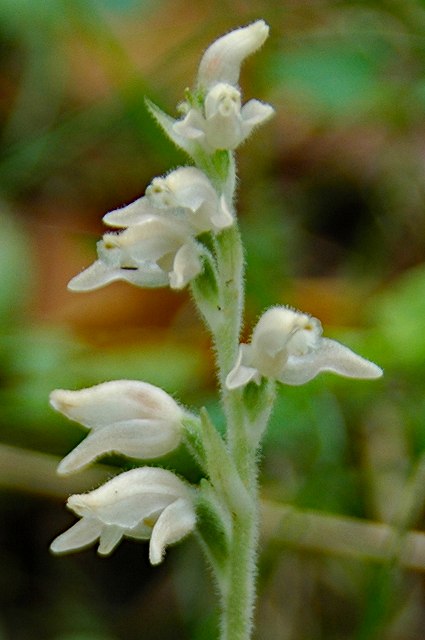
223 123
156 252
287 345
213 117
146 503
186 194
127 417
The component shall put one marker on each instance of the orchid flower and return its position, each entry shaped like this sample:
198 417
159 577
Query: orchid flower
128 417
156 252
145 503
287 345
214 118
186 194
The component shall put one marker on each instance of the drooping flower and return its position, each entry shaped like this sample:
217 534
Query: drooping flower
187 194
128 417
287 345
156 252
145 503
213 117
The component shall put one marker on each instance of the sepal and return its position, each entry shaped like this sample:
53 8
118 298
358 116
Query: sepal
167 123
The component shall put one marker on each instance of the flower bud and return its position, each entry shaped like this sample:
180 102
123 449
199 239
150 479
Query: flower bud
127 417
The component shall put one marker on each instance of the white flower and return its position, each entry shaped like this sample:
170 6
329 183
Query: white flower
156 252
222 60
224 123
142 503
213 117
185 193
128 417
287 345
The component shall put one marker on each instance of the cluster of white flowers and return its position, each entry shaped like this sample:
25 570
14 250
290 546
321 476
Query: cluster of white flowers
157 246
158 241
133 419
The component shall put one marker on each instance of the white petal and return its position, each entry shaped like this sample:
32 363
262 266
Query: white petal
284 329
132 213
192 127
174 523
222 60
191 188
115 401
254 113
241 374
330 356
80 535
143 439
109 538
224 132
223 218
187 265
94 277
130 497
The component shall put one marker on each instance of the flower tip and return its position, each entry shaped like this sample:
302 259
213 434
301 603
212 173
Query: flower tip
56 548
57 399
222 60
156 555
260 29
64 468
374 371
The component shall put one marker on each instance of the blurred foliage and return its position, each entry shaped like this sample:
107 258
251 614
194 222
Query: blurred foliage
332 198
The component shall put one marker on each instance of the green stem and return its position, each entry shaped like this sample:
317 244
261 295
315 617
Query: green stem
239 597
238 580
238 601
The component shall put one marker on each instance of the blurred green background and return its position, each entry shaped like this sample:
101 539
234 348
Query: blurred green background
332 195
